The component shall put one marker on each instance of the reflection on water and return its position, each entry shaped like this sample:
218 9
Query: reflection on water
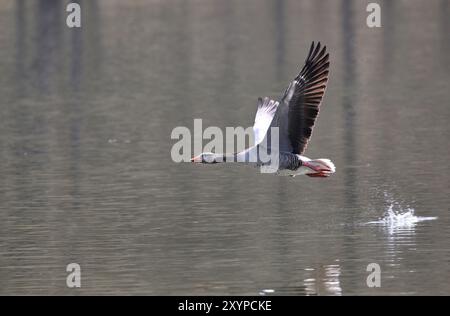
86 174
324 281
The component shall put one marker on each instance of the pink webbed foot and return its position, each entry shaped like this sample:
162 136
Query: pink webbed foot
319 168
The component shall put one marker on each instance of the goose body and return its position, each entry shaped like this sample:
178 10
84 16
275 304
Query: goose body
293 118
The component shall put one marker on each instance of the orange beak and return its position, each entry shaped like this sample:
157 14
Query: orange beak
197 159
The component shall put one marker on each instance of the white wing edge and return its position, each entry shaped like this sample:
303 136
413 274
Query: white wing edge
264 115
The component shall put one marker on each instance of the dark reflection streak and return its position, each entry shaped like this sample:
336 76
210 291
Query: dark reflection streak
229 68
228 80
349 85
20 48
76 57
445 31
389 20
178 48
95 30
175 60
48 40
50 22
20 170
28 126
388 28
283 212
228 84
19 114
348 31
183 47
76 75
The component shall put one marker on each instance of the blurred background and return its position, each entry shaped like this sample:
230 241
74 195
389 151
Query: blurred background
86 174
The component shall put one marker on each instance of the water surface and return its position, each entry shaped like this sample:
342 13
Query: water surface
86 175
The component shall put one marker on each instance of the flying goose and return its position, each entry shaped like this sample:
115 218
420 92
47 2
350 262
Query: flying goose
294 116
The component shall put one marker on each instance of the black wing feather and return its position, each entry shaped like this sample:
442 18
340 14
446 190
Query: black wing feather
309 87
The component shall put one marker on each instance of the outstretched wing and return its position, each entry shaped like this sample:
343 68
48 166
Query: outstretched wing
263 118
303 97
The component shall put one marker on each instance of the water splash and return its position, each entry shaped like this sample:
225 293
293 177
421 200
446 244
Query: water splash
397 217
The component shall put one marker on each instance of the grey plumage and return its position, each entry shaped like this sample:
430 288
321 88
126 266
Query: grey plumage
289 161
286 160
